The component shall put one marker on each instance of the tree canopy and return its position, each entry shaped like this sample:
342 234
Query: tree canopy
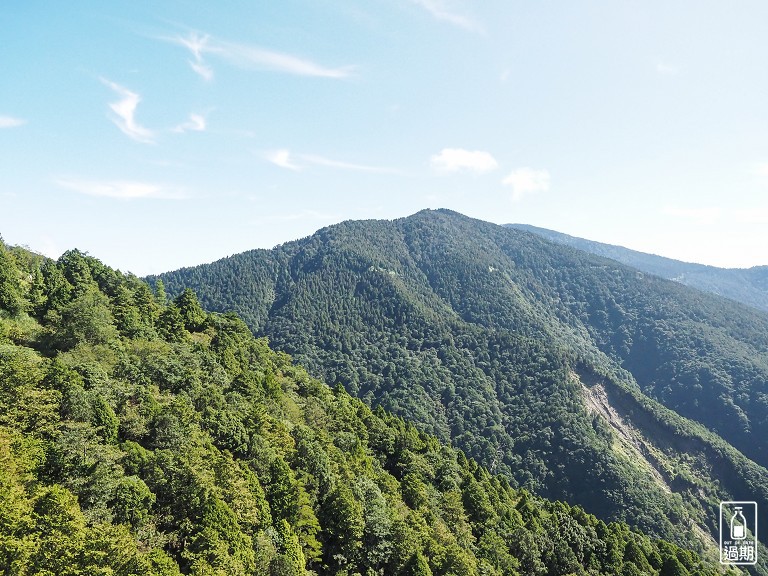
576 377
133 445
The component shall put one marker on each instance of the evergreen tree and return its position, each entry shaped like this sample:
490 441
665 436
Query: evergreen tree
342 519
191 312
10 294
56 288
86 319
290 561
160 294
74 265
170 324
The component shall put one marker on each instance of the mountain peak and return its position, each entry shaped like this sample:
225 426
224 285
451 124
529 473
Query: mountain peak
487 337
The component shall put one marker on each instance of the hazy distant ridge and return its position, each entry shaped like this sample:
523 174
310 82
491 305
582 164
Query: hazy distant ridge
746 285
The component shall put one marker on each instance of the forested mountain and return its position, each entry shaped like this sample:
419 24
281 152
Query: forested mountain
144 436
745 285
573 375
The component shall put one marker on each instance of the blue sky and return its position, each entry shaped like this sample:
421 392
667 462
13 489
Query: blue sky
156 135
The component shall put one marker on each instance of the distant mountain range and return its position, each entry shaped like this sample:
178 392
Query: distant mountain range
746 285
574 375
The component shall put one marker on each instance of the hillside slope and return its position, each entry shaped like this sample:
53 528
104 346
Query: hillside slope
492 337
140 437
746 285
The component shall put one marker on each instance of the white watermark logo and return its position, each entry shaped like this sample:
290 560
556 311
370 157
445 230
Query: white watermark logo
738 533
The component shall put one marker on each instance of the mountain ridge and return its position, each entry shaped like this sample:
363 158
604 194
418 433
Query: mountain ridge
144 436
746 285
472 329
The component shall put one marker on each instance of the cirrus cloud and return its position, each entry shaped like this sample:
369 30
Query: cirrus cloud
11 122
195 123
458 159
198 45
284 158
441 10
525 181
251 57
342 165
123 112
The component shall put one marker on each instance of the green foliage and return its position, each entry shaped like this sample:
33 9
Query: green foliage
53 288
86 319
192 314
132 501
342 517
160 294
743 285
130 320
75 267
290 561
10 292
282 491
171 324
131 444
503 344
26 402
43 531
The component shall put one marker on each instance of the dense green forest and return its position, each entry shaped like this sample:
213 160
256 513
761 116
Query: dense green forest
572 375
142 435
746 285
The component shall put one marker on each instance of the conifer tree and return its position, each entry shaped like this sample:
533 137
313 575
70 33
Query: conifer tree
10 295
191 312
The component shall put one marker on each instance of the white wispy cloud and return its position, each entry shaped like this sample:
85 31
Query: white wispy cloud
282 158
197 44
286 159
202 70
525 181
122 189
341 165
123 112
195 123
255 57
458 159
442 10
250 56
11 122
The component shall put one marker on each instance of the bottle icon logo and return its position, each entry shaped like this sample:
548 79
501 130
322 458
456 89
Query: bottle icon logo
738 533
738 524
